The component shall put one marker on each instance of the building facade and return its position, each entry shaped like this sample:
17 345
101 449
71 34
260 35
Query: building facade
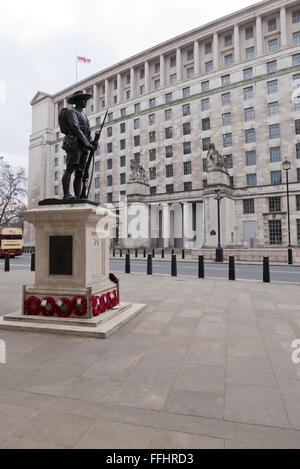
233 83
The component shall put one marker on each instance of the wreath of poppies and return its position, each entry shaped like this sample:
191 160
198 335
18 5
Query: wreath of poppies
63 308
32 306
79 306
48 306
104 303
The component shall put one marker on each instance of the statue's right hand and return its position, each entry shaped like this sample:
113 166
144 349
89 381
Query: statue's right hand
91 147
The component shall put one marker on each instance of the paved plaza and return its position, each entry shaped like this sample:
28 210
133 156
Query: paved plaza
206 365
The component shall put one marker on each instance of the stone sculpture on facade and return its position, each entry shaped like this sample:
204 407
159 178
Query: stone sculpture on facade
214 159
138 172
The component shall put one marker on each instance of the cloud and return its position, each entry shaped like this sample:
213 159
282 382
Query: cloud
3 92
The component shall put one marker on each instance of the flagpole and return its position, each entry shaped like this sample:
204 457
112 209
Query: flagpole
76 68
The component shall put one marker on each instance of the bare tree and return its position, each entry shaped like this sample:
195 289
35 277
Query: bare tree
12 193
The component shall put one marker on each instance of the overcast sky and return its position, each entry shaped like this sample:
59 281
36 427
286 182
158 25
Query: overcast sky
39 42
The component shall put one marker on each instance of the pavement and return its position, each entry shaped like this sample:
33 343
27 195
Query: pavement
206 365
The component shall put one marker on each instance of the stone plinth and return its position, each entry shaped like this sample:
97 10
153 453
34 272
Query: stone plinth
137 188
218 176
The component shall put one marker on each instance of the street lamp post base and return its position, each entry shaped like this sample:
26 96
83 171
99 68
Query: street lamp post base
290 254
219 255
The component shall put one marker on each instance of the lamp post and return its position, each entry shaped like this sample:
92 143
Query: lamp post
287 166
219 251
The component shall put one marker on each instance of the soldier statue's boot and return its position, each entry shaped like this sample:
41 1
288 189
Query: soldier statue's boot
77 185
66 186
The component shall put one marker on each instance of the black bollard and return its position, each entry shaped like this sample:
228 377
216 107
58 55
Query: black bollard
128 251
136 253
266 278
127 264
121 253
153 253
7 263
149 265
183 254
174 266
231 268
32 262
201 269
114 253
163 254
145 254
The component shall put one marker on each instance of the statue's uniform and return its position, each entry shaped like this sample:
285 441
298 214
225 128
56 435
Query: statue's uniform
78 138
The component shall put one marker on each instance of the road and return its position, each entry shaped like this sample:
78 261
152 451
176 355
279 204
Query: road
243 272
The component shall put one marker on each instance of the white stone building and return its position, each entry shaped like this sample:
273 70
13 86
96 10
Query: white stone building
232 82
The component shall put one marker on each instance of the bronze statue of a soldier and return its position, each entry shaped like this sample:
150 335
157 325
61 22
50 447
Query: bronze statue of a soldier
77 143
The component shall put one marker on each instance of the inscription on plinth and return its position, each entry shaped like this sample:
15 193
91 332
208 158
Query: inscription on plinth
61 255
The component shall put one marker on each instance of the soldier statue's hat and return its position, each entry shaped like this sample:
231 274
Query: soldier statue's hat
79 95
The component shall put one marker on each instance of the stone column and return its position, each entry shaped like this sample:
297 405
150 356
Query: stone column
107 100
188 225
179 65
56 114
65 102
283 27
178 223
95 103
196 58
259 36
216 51
119 89
237 54
132 81
166 224
162 71
147 81
154 222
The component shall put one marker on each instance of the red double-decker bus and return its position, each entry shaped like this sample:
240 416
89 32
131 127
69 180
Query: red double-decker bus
11 242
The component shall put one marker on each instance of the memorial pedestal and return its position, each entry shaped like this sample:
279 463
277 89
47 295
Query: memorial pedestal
73 291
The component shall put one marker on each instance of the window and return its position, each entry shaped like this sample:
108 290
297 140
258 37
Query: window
56 190
296 16
228 60
275 154
186 128
250 53
109 181
142 89
187 168
251 180
173 78
298 151
187 187
209 66
137 140
272 25
273 109
152 154
170 189
187 149
137 108
275 230
56 176
228 41
249 206
151 119
156 84
248 73
228 161
122 144
296 81
169 151
169 171
122 128
298 174
297 104
273 87
297 126
169 97
273 45
186 109
115 99
298 231
206 124
97 198
169 132
152 137
186 92
168 114
248 93
56 148
109 131
153 190
274 131
205 183
109 164
137 158
142 73
122 161
276 177
136 124
190 72
123 178
205 144
249 33
98 121
152 102
249 114
190 54
250 158
296 60
227 119
152 174
275 204
205 105
250 136
128 80
56 162
226 98
109 148
157 68
205 86
204 165
110 117
298 203
227 140
296 38
109 197
225 80
123 112
173 61
208 48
